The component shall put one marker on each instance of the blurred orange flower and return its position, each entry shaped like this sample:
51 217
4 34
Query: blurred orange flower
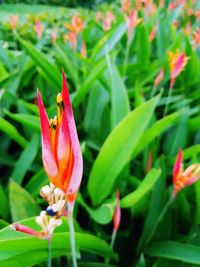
38 28
181 177
177 63
132 21
13 21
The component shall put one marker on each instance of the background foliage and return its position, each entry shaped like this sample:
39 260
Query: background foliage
119 124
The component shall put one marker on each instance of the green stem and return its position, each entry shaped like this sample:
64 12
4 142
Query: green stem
114 234
168 99
153 91
49 252
72 234
162 214
126 54
113 238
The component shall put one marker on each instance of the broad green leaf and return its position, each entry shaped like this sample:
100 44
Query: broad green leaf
91 77
117 149
18 245
32 258
154 209
176 138
162 37
102 214
191 73
143 51
98 98
3 224
194 123
4 211
191 151
95 264
36 182
3 73
167 263
145 186
40 59
67 64
25 119
120 106
21 202
25 160
109 40
12 132
175 251
155 130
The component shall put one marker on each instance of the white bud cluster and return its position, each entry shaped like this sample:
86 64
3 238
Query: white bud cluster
48 224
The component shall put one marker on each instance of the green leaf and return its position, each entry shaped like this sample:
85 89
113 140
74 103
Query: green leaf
143 51
18 246
102 214
86 86
175 251
155 130
66 63
154 209
117 149
21 202
36 182
145 186
25 119
109 40
94 264
162 39
40 59
4 211
25 160
98 98
120 105
176 138
194 123
191 151
12 132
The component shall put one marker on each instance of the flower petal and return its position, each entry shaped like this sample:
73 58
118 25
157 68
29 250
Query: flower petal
27 230
117 213
64 154
179 65
77 170
177 165
49 162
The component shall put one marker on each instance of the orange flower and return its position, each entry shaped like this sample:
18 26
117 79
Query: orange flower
109 18
197 14
177 63
61 152
117 213
99 16
159 78
196 38
71 37
13 21
132 21
187 29
152 34
83 50
38 28
161 3
181 177
76 26
126 6
53 36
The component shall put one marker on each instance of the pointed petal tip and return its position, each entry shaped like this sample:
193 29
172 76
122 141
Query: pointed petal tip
177 164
